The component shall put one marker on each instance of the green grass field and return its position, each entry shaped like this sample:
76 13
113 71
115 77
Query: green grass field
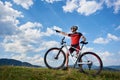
27 73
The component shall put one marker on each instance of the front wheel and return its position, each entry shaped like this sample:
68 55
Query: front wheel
90 63
54 58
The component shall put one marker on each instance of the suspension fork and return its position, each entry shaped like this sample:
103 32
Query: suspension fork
56 57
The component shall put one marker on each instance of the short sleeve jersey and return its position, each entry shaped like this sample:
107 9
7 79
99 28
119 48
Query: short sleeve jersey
75 37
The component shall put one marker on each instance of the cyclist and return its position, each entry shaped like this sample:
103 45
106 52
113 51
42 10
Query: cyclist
75 38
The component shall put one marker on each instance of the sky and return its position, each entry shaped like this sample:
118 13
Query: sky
26 27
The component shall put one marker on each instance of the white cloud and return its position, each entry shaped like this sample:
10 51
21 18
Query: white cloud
88 7
86 49
82 6
29 38
104 55
35 59
112 37
46 45
48 32
30 30
30 25
113 3
118 28
108 3
70 6
57 28
16 44
109 58
117 6
106 40
22 41
24 3
51 1
19 57
8 18
101 40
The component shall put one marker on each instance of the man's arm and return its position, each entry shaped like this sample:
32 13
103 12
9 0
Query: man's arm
63 33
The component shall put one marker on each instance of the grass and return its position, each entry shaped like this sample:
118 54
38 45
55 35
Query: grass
27 73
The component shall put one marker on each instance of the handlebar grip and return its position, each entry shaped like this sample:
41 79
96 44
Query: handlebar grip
82 42
57 31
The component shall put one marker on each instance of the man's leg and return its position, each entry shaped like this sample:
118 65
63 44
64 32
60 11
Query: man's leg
67 59
66 62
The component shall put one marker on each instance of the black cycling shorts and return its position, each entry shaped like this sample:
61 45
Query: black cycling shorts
71 49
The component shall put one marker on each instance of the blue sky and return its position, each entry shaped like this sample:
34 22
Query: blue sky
26 27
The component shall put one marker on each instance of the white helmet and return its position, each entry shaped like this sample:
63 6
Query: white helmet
74 27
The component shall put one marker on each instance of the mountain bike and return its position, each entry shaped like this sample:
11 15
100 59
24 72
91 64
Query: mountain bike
87 62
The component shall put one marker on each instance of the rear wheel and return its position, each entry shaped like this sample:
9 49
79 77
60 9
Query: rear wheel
53 60
91 63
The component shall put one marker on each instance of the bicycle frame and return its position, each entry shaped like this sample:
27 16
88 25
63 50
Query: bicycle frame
64 45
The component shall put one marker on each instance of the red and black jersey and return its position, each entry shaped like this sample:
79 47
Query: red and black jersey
75 37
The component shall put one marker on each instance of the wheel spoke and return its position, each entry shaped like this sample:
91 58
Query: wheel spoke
93 65
52 60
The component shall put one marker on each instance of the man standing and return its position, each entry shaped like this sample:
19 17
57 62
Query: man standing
75 39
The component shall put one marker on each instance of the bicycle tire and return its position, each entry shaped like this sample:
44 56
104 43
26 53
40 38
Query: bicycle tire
51 62
95 66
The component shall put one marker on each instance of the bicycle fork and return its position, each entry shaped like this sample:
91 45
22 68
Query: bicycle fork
56 57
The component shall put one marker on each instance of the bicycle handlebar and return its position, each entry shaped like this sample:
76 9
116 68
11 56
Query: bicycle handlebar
82 42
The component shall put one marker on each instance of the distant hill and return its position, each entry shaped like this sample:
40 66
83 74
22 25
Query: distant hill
14 62
115 67
112 68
